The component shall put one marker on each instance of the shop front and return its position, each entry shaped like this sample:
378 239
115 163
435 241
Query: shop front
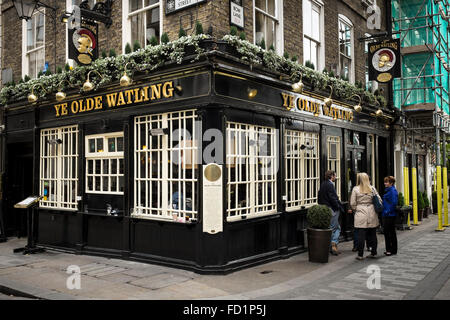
208 166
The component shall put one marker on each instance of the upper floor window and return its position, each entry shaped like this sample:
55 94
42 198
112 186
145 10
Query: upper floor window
370 85
142 21
312 33
346 50
268 23
34 45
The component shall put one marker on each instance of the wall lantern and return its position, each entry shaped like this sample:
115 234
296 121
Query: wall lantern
298 86
328 101
125 81
379 112
32 98
251 93
25 8
61 95
358 107
88 85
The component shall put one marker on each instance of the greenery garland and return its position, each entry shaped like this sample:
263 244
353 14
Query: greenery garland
153 57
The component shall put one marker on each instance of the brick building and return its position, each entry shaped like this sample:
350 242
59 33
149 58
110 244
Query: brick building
112 177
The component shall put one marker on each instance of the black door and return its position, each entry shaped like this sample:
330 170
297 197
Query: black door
18 186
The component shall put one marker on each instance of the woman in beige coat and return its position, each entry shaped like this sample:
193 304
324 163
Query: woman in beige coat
366 219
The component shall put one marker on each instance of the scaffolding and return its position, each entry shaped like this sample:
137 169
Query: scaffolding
423 29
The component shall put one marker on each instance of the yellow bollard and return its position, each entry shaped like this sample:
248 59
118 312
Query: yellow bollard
406 189
445 211
439 198
414 196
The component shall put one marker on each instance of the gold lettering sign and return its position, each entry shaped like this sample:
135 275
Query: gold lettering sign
315 107
116 99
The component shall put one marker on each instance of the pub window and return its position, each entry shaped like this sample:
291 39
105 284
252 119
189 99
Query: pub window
312 32
334 160
142 21
166 166
268 23
59 168
301 169
104 163
346 61
34 45
251 171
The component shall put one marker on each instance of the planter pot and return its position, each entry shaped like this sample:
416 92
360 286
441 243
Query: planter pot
435 207
189 50
208 44
420 214
319 245
427 212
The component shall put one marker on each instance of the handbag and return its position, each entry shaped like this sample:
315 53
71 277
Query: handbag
377 203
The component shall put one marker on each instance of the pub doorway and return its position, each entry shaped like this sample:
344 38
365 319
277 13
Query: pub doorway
19 185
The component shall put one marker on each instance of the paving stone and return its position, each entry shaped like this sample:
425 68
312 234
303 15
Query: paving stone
159 281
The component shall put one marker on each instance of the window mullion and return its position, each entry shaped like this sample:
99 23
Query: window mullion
165 151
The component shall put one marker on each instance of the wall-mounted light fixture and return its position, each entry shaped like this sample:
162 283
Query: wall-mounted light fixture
358 107
125 81
32 98
379 112
329 101
88 85
252 93
61 95
298 86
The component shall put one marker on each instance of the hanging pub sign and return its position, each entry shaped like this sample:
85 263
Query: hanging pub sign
384 60
83 45
237 13
175 5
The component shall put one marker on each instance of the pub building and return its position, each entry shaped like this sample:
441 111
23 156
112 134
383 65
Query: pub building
124 172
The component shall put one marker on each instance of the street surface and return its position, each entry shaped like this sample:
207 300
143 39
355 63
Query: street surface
421 270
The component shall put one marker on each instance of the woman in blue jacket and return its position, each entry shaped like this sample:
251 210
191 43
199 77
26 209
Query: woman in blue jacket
390 200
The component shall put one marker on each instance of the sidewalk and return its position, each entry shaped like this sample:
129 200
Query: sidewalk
421 270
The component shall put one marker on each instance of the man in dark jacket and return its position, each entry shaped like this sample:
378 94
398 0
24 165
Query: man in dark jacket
328 196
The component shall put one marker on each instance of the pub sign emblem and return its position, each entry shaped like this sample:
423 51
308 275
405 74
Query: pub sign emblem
83 45
384 60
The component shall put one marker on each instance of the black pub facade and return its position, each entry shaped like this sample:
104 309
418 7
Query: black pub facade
208 166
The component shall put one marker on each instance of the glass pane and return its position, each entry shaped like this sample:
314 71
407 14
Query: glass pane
97 184
32 65
30 34
138 28
90 166
152 29
91 143
113 184
271 7
135 5
114 166
150 2
97 166
90 183
270 33
40 60
106 184
259 27
111 144
261 4
105 166
99 144
120 144
121 184
39 30
121 166
315 27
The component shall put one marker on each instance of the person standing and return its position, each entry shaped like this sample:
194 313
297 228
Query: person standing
328 196
390 201
366 218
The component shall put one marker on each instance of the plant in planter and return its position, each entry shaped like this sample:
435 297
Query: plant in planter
403 211
427 210
421 205
319 233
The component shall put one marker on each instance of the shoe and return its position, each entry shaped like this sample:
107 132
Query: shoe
387 254
372 256
359 258
355 249
334 249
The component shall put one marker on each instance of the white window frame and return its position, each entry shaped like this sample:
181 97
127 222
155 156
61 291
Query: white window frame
25 52
185 153
347 21
126 21
242 152
279 42
335 164
101 156
53 167
299 180
321 44
373 84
